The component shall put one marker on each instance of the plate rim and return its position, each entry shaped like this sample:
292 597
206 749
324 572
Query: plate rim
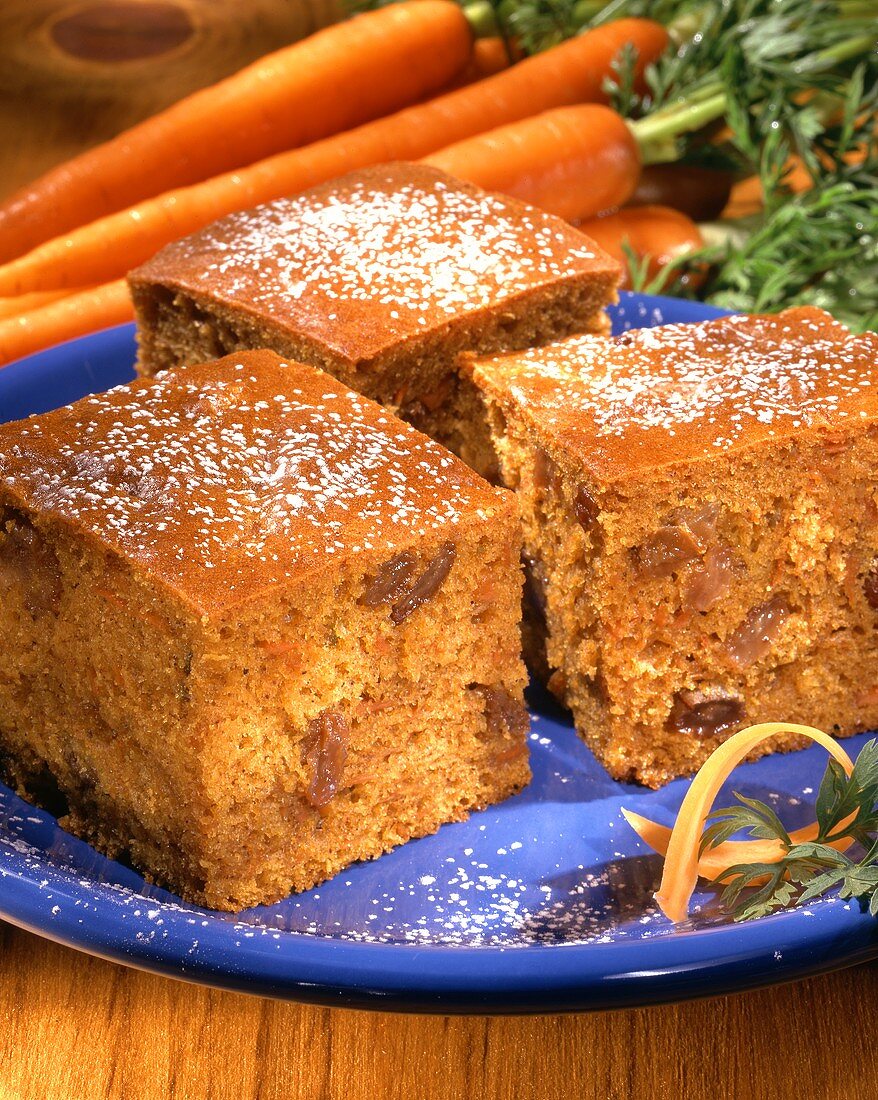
826 935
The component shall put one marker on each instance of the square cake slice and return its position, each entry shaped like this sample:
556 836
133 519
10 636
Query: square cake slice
380 278
254 627
700 508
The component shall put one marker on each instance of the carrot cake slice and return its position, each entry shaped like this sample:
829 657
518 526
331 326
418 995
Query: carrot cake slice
380 278
700 508
254 627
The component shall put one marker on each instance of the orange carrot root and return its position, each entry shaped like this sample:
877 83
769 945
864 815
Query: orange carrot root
658 232
340 77
71 316
27 303
572 161
570 73
489 56
680 845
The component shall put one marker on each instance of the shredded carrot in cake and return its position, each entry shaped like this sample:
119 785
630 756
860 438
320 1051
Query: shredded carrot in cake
680 845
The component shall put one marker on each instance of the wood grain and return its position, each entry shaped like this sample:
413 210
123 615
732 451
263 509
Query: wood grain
78 1028
75 73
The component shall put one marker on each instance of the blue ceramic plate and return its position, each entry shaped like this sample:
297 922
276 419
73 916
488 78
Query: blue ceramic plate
543 903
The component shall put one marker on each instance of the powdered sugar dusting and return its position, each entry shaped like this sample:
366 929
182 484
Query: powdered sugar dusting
251 469
376 257
682 391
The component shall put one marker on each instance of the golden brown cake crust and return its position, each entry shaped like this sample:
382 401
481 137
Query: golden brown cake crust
655 397
379 258
265 471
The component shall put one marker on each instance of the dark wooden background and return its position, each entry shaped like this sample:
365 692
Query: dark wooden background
75 72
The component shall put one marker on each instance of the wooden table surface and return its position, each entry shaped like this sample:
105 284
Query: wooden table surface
76 72
77 1028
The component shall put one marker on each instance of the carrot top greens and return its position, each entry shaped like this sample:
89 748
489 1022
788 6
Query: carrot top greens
817 246
752 84
798 79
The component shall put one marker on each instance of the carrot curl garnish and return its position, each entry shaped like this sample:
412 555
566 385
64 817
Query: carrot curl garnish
681 845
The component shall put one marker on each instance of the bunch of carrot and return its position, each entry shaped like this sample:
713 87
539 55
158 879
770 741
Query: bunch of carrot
536 129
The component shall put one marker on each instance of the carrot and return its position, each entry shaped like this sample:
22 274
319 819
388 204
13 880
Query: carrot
654 232
489 56
681 870
570 73
27 303
745 199
573 161
337 78
715 861
74 315
746 196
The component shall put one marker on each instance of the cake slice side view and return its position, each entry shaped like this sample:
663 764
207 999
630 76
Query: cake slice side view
256 628
700 509
380 278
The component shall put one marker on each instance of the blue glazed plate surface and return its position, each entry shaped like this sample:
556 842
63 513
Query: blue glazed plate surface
543 903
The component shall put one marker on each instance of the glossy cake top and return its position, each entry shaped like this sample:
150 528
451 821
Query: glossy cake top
677 393
226 479
382 255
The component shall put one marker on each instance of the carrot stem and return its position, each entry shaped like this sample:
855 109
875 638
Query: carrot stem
841 51
657 134
481 18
